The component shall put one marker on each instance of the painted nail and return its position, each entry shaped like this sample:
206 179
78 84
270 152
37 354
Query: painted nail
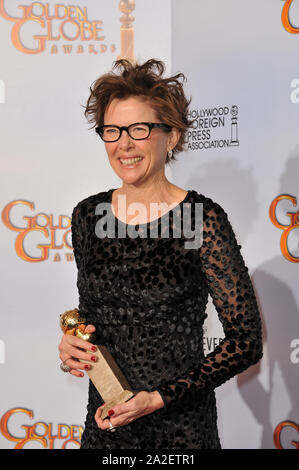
94 348
93 358
110 412
87 367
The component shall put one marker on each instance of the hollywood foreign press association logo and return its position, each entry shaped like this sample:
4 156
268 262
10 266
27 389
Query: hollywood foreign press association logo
213 128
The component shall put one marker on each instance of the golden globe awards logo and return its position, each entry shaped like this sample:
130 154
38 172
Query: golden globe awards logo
66 28
55 231
213 128
44 435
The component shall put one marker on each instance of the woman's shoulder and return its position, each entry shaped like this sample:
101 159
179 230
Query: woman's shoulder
210 206
215 219
89 203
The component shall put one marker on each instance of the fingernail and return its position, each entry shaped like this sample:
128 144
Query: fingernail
87 367
81 375
110 412
93 358
94 348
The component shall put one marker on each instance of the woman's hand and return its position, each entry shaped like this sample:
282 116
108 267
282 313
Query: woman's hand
141 404
72 349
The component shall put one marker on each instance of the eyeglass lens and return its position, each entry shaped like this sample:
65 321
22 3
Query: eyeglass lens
136 131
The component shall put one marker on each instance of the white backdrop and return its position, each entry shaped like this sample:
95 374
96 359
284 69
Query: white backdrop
240 62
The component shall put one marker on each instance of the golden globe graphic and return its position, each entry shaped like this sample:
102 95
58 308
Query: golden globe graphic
54 233
65 29
39 434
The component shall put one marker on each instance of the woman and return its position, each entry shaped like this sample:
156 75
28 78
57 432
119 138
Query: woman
145 296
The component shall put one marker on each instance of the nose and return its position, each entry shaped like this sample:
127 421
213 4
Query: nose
125 140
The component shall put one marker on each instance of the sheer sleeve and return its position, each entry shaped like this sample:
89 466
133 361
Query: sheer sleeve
78 233
234 299
77 237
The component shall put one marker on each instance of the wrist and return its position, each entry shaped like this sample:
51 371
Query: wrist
156 401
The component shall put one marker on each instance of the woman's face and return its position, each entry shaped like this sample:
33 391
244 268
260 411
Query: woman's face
152 150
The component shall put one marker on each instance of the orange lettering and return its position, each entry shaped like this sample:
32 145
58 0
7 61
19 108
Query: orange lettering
86 26
91 49
35 222
81 13
53 246
60 428
67 48
57 12
34 15
277 433
19 246
15 37
272 209
97 28
285 18
70 440
284 244
67 38
65 239
4 422
33 430
6 214
6 16
49 28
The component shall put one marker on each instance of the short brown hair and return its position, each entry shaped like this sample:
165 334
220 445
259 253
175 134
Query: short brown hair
165 95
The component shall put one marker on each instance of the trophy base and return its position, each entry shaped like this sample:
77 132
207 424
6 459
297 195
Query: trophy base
122 398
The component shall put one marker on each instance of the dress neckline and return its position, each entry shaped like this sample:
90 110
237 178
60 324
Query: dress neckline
110 193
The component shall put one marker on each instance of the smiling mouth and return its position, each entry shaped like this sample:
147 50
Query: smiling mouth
130 160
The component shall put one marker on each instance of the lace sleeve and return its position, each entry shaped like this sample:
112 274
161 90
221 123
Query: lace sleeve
234 299
77 237
78 233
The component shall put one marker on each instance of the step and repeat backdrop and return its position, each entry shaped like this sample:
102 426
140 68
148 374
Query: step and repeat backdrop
241 63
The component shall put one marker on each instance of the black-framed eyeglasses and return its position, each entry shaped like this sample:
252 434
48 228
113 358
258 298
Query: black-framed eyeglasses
137 131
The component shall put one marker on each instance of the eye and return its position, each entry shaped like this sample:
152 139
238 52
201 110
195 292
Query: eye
139 128
110 130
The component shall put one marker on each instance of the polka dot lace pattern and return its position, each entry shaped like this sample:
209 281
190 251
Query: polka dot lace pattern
147 298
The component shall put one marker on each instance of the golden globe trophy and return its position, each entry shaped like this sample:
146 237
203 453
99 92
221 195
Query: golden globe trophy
105 373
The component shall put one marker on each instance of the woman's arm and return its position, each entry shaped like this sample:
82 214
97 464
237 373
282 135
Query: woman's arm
233 296
71 348
77 237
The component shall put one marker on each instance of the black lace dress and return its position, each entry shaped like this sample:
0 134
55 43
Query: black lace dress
147 298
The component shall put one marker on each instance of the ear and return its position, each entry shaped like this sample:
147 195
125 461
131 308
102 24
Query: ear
173 138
